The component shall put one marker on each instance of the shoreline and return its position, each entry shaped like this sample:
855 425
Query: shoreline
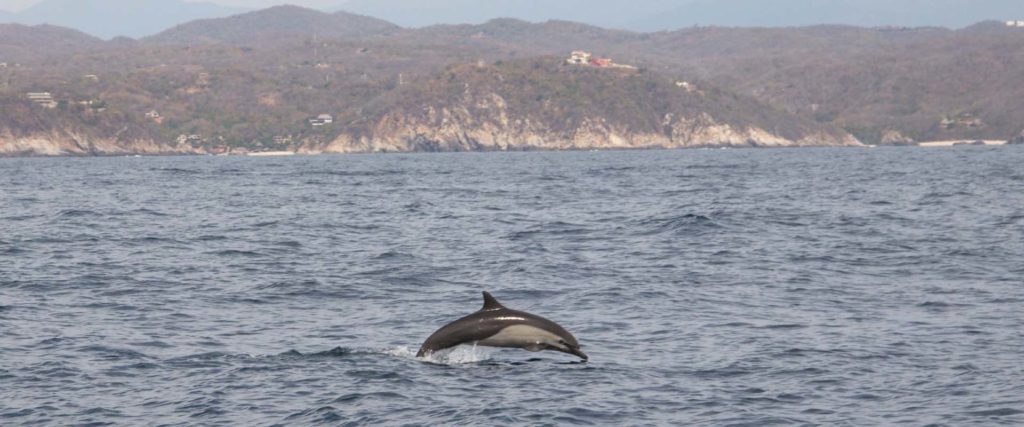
961 142
929 144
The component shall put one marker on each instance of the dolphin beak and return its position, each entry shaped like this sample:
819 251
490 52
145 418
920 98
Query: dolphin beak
576 352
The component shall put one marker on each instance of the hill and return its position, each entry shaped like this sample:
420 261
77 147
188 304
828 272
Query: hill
275 24
112 18
607 13
255 80
20 43
863 13
545 103
669 15
77 129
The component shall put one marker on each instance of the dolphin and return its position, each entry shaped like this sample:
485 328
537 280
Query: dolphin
495 325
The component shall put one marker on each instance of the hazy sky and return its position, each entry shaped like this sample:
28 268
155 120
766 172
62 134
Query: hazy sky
319 4
256 4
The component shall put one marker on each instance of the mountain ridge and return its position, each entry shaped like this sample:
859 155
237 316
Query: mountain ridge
107 19
248 85
275 22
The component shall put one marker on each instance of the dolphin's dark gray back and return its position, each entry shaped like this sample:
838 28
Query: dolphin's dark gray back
487 322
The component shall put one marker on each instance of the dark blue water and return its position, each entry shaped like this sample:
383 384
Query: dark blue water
717 287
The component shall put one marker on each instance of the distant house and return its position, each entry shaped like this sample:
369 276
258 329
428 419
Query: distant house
579 57
91 78
155 116
687 86
962 120
42 99
1018 24
323 119
584 58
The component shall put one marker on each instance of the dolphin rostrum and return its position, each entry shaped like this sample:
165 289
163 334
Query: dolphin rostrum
494 325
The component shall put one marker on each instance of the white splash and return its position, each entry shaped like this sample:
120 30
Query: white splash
460 355
401 351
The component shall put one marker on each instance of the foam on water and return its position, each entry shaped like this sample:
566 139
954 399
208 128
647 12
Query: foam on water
459 355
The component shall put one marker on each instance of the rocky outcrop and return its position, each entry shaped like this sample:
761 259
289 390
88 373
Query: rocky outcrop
460 131
55 143
1017 140
533 106
892 137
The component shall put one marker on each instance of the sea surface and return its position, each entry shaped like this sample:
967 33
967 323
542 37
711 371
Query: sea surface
841 287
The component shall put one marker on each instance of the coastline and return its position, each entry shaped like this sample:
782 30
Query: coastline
961 142
305 153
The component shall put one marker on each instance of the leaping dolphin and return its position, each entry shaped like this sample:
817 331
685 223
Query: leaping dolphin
495 325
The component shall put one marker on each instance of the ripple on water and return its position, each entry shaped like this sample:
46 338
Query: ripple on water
714 287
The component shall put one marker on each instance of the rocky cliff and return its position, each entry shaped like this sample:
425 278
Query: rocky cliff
539 104
32 130
1017 140
66 143
536 104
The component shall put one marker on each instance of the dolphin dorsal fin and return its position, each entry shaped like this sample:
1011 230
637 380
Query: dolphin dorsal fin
490 303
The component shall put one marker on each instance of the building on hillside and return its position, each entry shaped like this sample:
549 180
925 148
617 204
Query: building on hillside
194 140
579 57
962 120
91 78
155 116
42 99
685 85
323 119
583 58
1018 24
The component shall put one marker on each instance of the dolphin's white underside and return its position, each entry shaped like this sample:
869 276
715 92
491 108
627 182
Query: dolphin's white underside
522 336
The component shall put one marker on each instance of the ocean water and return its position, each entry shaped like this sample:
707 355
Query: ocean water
709 287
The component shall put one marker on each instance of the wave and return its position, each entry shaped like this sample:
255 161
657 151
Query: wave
682 224
235 253
77 213
150 212
107 352
375 173
178 171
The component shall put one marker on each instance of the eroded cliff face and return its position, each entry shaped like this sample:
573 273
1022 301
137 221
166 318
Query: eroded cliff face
58 143
459 129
